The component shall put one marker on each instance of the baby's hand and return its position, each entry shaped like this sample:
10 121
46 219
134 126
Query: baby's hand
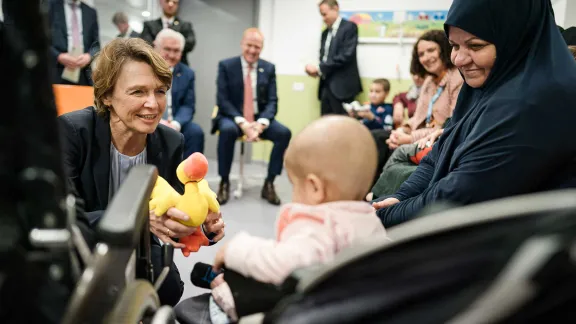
219 260
217 281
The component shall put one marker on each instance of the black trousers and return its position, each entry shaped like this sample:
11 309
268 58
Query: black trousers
384 152
330 105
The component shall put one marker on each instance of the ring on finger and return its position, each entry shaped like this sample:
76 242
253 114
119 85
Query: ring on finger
168 232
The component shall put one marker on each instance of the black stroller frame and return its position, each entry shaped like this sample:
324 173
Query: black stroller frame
48 274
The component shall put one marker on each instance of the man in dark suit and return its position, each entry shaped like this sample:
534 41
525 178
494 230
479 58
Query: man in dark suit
121 21
75 38
181 98
247 103
338 68
169 20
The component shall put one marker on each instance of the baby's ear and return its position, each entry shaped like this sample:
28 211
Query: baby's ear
315 189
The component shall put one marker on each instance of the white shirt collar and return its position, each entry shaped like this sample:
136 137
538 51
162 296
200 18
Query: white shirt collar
71 1
169 20
245 63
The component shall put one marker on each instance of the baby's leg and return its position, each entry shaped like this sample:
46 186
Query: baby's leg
223 297
218 280
217 315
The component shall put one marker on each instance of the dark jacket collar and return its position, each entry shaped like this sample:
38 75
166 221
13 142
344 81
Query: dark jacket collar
101 157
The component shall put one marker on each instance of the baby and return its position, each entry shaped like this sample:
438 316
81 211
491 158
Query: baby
330 164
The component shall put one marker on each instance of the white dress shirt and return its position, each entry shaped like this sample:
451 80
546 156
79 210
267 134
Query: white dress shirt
254 79
68 14
329 37
167 21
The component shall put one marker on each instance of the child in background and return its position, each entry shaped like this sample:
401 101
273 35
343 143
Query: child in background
407 100
380 115
326 214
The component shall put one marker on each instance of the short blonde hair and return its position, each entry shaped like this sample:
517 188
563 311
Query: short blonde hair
110 60
252 30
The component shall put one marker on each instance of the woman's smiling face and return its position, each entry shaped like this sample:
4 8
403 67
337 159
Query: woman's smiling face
473 56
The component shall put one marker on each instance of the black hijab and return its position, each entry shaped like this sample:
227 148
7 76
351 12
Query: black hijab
516 133
528 43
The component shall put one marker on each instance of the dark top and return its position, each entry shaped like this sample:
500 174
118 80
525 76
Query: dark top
86 141
340 71
153 27
498 143
230 84
183 94
382 117
59 35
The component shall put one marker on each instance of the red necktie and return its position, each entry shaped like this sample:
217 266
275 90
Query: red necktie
248 97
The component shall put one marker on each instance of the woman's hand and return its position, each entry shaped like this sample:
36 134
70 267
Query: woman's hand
385 203
430 139
214 224
166 227
398 138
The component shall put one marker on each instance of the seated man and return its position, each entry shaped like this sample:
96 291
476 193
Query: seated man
180 98
247 104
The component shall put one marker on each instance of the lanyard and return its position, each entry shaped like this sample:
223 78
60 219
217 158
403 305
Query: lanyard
434 99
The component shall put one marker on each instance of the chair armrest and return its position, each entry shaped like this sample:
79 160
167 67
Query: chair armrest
125 217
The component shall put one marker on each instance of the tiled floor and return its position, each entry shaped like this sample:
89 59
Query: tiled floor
249 213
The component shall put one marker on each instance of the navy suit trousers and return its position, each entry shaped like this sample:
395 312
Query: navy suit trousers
229 133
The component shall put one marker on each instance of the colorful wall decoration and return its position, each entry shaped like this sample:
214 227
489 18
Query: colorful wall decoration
393 26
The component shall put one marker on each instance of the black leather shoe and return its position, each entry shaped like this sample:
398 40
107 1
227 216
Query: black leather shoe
223 192
269 193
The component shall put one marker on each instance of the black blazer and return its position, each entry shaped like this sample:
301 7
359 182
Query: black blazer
153 27
59 34
85 140
340 71
230 84
133 34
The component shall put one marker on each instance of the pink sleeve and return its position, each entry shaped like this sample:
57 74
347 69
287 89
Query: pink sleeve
303 243
421 105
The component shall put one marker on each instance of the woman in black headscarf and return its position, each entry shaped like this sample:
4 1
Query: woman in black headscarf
512 129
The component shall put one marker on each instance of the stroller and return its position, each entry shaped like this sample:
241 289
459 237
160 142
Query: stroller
48 273
505 261
511 260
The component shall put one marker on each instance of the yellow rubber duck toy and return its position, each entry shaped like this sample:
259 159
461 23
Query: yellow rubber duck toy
196 201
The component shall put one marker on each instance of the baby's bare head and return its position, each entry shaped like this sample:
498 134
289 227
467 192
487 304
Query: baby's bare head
334 158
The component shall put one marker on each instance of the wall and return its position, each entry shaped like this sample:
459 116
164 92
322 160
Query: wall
107 8
565 12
